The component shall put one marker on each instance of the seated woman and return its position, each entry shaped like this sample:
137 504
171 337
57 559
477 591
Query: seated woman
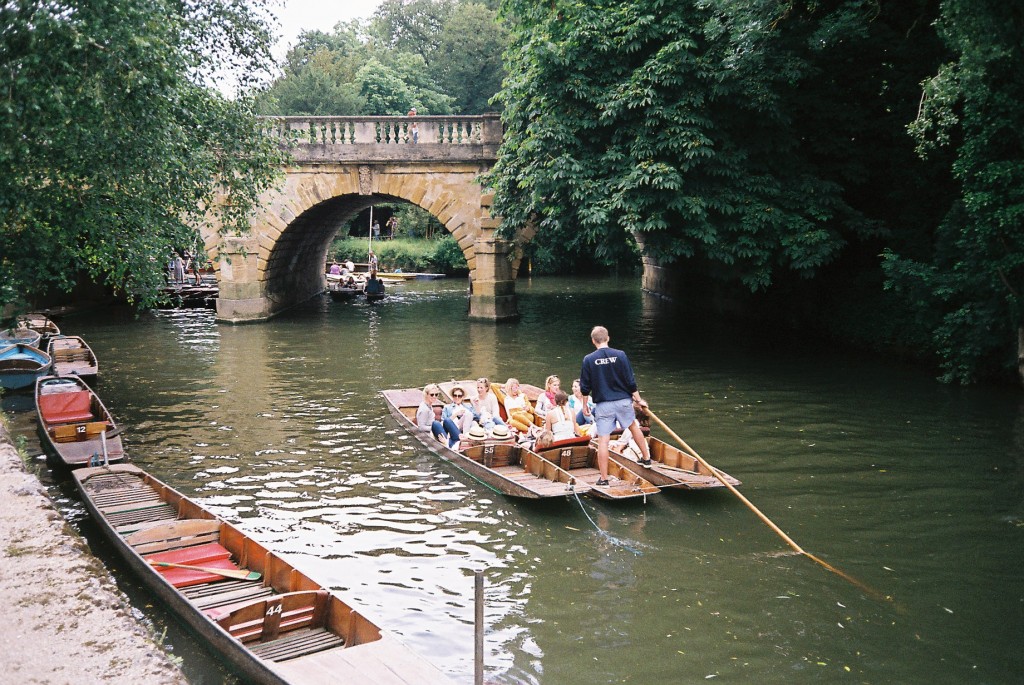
517 407
443 430
546 400
582 406
335 269
485 406
459 411
561 420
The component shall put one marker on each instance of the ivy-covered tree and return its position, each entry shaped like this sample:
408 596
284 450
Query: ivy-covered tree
970 285
113 146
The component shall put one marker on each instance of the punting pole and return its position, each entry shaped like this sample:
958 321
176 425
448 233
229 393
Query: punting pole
478 648
788 540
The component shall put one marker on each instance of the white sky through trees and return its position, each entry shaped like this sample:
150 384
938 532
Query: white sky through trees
296 16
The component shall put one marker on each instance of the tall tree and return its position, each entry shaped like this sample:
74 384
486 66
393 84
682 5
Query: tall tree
468 60
112 146
972 281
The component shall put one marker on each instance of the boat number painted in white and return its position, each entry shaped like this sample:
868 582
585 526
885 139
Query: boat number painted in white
276 609
567 452
489 449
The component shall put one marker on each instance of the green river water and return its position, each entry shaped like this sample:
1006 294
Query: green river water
913 488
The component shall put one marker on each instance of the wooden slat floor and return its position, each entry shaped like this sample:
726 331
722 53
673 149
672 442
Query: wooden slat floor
297 643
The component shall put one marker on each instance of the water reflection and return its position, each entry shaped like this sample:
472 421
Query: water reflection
912 487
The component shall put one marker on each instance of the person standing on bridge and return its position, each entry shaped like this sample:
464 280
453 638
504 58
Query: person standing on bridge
414 130
607 374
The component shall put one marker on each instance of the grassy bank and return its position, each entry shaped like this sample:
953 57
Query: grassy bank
441 255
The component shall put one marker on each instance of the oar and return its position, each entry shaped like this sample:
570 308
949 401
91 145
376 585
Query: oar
239 573
789 541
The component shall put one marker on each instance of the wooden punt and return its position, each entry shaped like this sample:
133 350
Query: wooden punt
625 482
21 365
74 424
280 628
671 467
20 335
42 324
501 465
72 356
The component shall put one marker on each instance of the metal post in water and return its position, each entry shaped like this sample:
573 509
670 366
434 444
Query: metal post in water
478 671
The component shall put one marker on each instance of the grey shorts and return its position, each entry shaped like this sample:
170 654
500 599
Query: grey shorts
608 414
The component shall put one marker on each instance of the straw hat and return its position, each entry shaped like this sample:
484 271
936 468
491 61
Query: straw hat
476 432
499 432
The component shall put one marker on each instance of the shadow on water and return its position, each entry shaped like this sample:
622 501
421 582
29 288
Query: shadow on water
913 487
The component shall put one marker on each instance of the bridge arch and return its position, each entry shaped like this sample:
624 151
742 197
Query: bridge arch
343 165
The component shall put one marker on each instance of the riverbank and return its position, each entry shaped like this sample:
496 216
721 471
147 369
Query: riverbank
64 619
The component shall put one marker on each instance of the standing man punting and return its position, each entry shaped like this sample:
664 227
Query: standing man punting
607 375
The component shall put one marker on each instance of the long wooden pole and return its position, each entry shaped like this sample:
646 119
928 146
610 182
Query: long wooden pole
750 505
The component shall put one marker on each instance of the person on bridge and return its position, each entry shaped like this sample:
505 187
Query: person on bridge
607 374
414 130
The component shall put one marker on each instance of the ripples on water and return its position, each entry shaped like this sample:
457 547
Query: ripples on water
911 487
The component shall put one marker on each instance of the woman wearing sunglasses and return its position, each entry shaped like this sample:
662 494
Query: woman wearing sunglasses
460 410
443 430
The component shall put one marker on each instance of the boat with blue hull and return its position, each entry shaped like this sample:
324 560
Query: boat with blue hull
21 365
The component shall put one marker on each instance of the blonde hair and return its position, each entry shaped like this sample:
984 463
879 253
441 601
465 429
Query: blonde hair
428 388
551 379
509 382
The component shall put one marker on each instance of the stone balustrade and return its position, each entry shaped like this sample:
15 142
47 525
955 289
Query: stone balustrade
325 139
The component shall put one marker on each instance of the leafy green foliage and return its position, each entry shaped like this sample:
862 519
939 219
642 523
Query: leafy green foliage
440 57
442 255
112 147
973 279
672 120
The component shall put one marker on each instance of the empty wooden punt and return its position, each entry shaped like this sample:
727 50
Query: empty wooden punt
501 465
282 628
73 357
671 467
581 462
74 423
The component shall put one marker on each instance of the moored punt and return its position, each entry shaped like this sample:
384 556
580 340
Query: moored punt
20 335
73 357
500 464
671 467
624 482
40 323
74 423
272 622
21 365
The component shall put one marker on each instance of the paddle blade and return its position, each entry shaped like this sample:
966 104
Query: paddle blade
237 573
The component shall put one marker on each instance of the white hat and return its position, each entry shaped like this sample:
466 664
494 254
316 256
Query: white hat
499 432
476 432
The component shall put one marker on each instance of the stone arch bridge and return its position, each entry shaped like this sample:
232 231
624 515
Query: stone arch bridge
341 166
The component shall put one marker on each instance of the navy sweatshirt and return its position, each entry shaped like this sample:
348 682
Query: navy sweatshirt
607 375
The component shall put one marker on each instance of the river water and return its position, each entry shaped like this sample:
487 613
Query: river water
914 489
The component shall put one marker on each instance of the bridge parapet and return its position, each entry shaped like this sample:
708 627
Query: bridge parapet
449 138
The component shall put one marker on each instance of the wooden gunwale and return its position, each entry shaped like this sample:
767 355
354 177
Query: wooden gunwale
72 356
338 637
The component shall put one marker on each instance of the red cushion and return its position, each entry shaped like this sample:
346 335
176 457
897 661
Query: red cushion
582 440
66 407
196 555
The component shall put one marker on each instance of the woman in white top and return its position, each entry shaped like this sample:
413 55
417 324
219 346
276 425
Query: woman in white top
486 405
546 400
561 420
517 407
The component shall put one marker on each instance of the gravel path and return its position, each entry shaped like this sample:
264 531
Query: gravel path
64 619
